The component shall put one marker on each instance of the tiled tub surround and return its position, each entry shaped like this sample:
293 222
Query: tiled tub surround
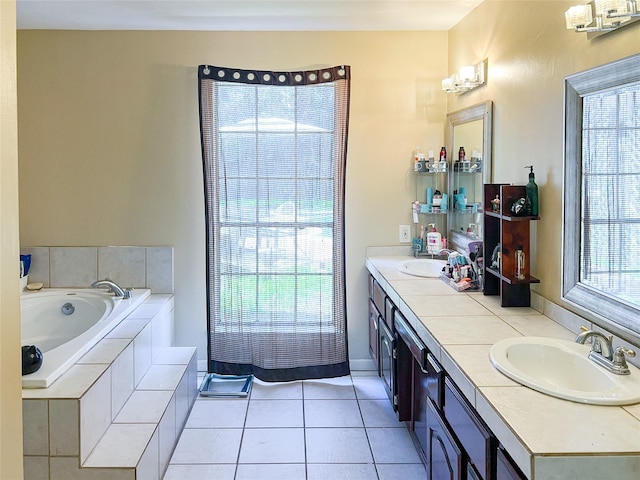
548 438
130 267
119 411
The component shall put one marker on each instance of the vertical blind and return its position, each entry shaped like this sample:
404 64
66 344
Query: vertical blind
610 240
274 153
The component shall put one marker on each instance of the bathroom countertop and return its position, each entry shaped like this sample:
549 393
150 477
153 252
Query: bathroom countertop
549 438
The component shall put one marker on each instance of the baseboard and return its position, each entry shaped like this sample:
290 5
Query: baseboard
360 364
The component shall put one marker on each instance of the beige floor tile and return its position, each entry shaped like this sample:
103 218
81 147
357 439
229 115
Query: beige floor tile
272 445
207 445
337 445
274 413
332 413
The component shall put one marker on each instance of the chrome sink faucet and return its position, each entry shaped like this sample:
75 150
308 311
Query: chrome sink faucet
117 290
613 361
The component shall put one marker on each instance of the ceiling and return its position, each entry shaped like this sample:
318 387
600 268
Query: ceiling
239 15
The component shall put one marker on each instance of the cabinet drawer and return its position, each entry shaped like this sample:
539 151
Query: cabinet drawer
379 298
389 313
473 435
371 280
414 344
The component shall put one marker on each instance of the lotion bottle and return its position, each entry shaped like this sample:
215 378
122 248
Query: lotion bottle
434 240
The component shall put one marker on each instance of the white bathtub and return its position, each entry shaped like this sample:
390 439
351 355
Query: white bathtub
63 339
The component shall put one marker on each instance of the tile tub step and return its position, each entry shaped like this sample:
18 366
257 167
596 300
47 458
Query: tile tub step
139 442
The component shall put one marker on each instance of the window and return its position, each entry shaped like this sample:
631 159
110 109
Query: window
275 226
601 244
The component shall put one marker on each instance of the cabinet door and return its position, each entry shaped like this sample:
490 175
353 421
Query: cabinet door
444 456
404 380
420 395
474 436
387 351
374 335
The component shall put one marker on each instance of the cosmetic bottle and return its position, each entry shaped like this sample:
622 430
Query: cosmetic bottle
531 192
434 240
417 153
519 263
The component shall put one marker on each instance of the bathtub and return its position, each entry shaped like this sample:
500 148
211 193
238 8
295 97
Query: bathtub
65 323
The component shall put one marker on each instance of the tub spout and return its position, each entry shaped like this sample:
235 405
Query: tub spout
117 290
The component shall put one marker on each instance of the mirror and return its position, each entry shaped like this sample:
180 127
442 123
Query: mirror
471 129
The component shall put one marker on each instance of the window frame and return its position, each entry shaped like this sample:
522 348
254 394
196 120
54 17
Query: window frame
607 311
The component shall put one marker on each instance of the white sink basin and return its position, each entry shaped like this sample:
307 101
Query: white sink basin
560 368
418 267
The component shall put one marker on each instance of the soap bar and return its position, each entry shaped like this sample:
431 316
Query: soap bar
34 286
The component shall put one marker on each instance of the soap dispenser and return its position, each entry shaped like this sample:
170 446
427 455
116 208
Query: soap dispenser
531 192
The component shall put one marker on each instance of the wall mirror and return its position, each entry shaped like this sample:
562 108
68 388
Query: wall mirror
600 227
470 129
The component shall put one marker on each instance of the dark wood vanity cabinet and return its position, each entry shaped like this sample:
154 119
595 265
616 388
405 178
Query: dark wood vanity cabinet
454 441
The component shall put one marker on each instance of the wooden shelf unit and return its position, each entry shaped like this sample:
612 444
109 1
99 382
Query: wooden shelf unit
501 227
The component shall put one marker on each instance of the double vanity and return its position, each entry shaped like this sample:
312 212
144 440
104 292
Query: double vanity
467 376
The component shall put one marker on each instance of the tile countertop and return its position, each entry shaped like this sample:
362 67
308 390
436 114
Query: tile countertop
549 438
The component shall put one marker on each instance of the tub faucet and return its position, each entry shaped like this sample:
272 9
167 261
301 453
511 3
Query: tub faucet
117 290
613 361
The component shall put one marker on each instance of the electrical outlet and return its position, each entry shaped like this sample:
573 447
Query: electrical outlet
405 234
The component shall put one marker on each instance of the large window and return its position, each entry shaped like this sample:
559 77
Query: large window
601 250
275 226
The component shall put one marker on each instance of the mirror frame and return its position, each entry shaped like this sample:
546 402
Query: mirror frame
481 111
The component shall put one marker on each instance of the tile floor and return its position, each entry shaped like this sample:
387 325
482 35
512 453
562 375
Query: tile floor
342 428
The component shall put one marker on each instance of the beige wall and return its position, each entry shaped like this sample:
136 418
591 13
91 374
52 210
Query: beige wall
109 143
110 149
529 53
10 365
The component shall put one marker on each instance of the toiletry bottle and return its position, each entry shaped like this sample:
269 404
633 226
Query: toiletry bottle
471 229
461 154
531 190
443 160
519 263
417 153
434 240
431 162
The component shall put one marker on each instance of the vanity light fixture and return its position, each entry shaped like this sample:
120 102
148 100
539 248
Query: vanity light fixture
468 78
601 15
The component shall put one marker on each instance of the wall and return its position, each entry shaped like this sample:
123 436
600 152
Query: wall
110 149
529 54
10 365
